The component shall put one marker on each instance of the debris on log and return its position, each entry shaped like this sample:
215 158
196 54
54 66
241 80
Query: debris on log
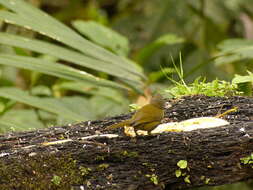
85 156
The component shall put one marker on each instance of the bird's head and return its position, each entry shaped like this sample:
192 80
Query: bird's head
159 101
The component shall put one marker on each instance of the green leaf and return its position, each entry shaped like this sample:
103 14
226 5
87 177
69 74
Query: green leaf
52 105
27 16
17 120
233 50
243 79
155 76
41 90
182 164
149 50
56 180
187 179
87 88
103 36
67 55
2 107
178 173
54 69
244 83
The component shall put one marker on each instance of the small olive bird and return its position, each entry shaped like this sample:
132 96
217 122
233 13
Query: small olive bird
147 117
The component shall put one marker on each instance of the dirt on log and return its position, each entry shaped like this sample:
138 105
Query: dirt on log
82 156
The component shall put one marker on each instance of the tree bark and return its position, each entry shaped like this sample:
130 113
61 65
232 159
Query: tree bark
214 156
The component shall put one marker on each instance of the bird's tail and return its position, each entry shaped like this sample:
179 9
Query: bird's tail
118 125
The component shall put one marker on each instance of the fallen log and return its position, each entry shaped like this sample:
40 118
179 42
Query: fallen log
84 156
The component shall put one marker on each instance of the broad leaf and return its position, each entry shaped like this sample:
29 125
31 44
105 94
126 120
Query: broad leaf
103 36
87 88
17 120
67 55
149 50
56 106
54 69
234 50
29 17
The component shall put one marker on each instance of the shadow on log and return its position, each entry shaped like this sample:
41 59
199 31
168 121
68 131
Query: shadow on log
85 158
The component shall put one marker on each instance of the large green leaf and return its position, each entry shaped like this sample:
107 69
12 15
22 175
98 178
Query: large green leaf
16 120
32 18
56 106
87 88
65 54
54 69
233 50
150 49
103 36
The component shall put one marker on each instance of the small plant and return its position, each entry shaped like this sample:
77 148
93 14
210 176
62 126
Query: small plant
214 88
247 160
183 164
200 86
56 180
153 178
244 83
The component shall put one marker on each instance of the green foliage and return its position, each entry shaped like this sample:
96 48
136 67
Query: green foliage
247 159
150 49
22 119
182 164
103 36
56 180
244 83
187 179
56 106
178 173
234 50
153 178
76 50
214 88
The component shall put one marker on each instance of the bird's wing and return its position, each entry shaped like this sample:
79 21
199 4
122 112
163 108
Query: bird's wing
147 114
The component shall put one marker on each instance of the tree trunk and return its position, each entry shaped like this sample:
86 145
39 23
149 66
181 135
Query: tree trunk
85 156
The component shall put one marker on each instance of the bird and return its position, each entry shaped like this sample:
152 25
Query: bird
146 118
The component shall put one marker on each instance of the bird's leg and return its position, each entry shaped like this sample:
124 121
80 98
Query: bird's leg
135 131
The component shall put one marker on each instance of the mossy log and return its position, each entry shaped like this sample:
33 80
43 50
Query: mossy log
82 155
